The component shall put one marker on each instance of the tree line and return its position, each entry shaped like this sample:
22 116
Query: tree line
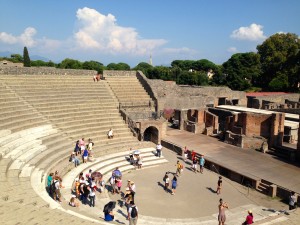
274 67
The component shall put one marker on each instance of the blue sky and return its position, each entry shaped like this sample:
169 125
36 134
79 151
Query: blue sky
131 30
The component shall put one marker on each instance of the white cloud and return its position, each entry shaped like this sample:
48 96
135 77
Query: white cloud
99 32
252 33
26 38
232 49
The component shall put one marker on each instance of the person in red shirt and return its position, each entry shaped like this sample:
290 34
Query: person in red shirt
193 154
249 218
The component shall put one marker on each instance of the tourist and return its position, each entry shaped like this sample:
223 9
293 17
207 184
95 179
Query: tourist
110 133
132 214
73 201
77 148
222 217
82 145
90 147
179 168
76 187
193 155
158 149
92 196
185 153
108 211
166 179
219 185
74 159
132 188
96 78
139 162
112 182
201 162
119 185
84 192
85 155
109 216
194 164
49 181
292 201
174 185
249 218
56 188
127 198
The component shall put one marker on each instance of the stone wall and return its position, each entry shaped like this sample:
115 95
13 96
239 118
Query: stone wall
171 95
257 102
10 70
222 117
118 73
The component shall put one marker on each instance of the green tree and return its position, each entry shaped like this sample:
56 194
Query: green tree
26 58
144 67
70 64
279 56
242 70
118 66
16 58
93 65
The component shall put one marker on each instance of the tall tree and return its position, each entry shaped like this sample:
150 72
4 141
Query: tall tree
279 56
26 58
242 70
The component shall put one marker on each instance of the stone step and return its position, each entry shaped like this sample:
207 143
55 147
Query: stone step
24 133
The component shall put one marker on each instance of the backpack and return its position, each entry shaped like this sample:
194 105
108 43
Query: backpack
181 166
133 212
52 186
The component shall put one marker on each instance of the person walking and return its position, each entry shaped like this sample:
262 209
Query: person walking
201 163
133 214
219 185
185 154
174 185
194 164
179 168
292 201
222 206
166 179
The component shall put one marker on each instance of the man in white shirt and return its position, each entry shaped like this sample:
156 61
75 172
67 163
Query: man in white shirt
158 149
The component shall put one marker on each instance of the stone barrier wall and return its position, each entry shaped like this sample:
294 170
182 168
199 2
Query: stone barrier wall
118 73
11 70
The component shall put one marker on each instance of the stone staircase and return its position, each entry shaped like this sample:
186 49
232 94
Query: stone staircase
129 91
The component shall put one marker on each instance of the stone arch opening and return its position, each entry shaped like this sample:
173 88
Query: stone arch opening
151 134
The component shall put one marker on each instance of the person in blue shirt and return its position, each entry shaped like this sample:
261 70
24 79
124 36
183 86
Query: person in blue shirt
85 155
174 185
109 216
201 162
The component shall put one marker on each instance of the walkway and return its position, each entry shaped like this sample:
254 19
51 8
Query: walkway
265 166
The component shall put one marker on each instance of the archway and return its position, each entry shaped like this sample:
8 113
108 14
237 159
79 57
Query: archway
151 134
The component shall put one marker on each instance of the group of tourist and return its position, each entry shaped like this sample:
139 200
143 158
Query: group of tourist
86 186
127 198
82 149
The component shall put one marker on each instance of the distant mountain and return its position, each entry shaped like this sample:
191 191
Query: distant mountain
33 57
37 57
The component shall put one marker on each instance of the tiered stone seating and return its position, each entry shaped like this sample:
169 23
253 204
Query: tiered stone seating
41 118
75 105
129 91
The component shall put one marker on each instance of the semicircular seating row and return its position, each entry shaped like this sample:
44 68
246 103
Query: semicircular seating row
39 121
